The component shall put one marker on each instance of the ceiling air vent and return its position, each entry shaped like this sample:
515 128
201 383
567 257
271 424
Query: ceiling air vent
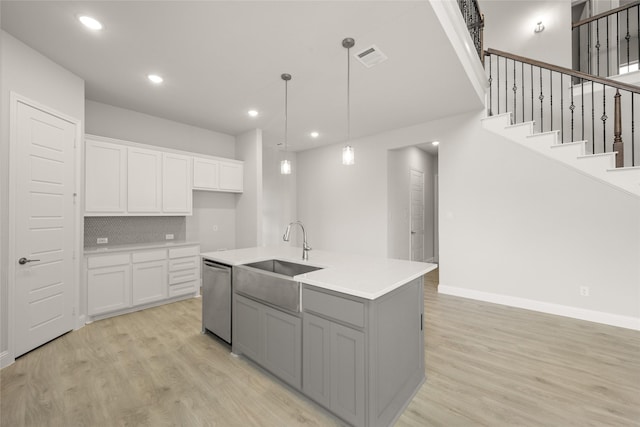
371 56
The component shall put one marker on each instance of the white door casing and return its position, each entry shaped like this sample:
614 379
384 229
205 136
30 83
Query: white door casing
43 225
417 215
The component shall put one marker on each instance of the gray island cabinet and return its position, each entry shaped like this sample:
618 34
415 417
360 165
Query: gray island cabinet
363 360
344 330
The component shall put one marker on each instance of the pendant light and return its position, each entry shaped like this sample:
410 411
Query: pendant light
348 154
285 164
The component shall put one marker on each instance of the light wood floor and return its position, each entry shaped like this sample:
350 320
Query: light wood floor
486 365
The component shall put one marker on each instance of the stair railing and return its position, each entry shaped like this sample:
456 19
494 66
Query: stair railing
607 44
475 23
575 104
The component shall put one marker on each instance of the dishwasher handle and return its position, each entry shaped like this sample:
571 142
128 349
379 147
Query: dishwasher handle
216 266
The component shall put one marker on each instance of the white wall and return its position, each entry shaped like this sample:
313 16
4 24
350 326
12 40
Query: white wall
209 208
279 196
30 74
249 203
400 163
509 27
344 208
120 123
523 227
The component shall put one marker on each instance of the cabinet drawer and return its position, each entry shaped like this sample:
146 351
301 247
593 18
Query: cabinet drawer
183 276
184 252
149 256
107 260
183 288
334 307
178 264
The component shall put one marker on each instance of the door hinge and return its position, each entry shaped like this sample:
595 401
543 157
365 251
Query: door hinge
421 321
75 196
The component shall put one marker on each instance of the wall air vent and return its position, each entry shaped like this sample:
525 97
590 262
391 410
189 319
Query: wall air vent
370 56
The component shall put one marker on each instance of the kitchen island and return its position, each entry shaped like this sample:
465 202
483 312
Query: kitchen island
355 345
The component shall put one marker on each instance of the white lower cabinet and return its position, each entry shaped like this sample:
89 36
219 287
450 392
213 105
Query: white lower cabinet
118 282
149 277
109 289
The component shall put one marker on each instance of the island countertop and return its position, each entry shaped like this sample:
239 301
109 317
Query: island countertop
358 275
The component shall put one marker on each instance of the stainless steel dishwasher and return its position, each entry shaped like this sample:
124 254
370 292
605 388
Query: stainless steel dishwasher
216 299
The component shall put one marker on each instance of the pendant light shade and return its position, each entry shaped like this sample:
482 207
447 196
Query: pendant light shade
348 154
285 165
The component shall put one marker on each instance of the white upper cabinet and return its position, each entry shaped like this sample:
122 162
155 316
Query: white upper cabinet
217 175
105 178
231 176
205 174
128 179
144 183
176 184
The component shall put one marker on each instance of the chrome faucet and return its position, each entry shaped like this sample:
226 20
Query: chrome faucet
305 246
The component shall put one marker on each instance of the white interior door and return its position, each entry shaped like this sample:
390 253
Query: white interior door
43 172
417 216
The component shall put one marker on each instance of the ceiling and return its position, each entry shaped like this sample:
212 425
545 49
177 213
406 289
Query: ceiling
221 58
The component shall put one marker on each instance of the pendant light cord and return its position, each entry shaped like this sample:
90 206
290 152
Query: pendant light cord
348 95
286 113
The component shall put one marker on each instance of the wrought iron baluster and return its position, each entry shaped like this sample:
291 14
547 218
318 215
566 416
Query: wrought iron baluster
572 107
562 108
531 92
522 79
604 119
593 122
515 90
541 98
628 39
506 91
582 89
617 43
551 98
597 47
490 87
589 48
633 135
608 67
498 82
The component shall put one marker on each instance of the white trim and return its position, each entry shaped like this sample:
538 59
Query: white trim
627 322
6 359
14 99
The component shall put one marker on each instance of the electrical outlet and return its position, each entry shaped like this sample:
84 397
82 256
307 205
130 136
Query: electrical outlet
584 291
215 228
102 240
168 236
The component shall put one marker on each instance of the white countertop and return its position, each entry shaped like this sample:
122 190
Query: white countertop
357 275
137 246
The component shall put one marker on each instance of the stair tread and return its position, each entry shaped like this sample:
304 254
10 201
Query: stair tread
587 156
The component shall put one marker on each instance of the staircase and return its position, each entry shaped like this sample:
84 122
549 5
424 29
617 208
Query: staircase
600 165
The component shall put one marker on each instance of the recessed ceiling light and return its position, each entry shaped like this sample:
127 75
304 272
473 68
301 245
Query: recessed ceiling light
154 78
90 22
435 143
314 134
252 113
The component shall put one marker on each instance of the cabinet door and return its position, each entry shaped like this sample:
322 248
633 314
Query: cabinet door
149 281
347 374
176 184
283 346
108 289
105 178
316 364
144 184
205 174
231 176
247 328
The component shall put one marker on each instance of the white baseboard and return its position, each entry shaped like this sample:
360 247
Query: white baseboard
627 322
82 320
5 359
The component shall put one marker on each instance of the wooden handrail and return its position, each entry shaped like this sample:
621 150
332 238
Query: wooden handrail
604 14
568 71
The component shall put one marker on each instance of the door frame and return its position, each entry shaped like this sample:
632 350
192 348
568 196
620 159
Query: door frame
411 214
14 99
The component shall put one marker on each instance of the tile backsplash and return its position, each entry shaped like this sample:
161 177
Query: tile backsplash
121 230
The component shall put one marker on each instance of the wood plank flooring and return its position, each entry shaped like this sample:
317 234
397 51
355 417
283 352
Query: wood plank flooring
486 365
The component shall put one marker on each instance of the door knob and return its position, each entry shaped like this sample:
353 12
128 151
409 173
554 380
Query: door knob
413 232
23 260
